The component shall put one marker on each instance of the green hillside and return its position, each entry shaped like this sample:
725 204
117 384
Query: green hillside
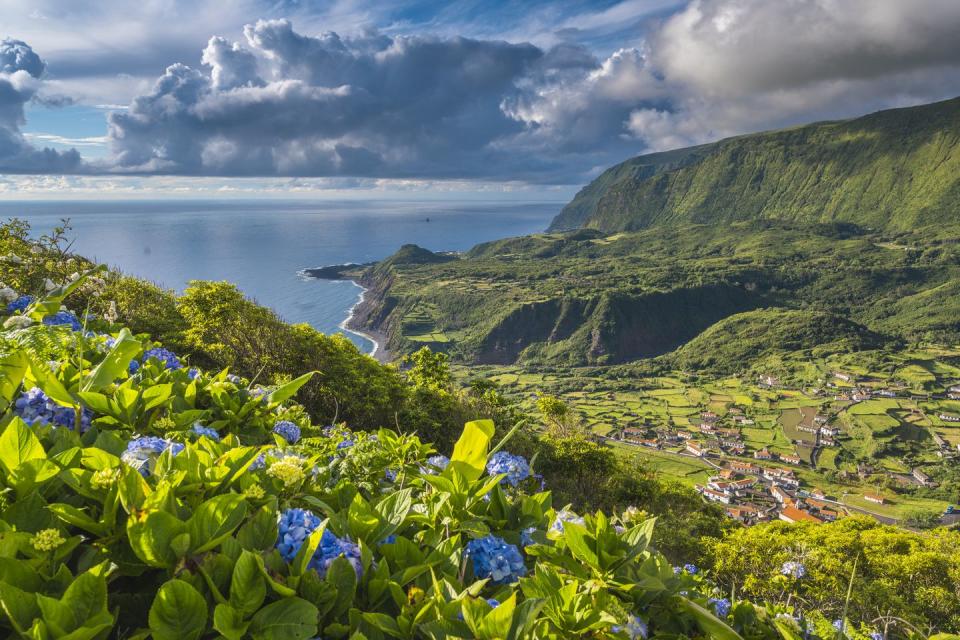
590 298
896 169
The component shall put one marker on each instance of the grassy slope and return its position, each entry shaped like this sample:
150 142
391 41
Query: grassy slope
895 169
589 298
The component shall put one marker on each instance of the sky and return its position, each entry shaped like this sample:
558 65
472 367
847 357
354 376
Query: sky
475 98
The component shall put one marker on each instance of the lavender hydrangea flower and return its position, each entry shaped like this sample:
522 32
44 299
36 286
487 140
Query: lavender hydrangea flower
142 453
516 468
793 569
435 464
565 515
287 430
36 408
526 537
296 525
876 635
496 559
167 358
202 431
20 304
721 606
63 318
390 475
634 628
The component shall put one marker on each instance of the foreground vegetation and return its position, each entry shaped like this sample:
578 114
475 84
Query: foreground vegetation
150 491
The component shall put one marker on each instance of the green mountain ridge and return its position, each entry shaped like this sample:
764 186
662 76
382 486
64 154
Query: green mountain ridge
897 169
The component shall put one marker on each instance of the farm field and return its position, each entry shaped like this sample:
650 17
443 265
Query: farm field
886 436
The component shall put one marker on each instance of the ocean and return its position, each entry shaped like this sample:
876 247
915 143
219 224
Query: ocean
261 245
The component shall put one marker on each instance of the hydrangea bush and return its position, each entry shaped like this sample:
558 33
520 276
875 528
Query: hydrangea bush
179 504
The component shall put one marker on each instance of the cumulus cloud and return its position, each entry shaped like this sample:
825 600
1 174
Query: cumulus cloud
20 72
388 104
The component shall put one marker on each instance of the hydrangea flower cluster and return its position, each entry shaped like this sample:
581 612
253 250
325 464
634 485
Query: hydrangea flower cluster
691 569
720 605
18 305
295 525
526 537
142 453
794 570
345 444
565 515
63 318
167 358
634 628
516 467
202 431
287 430
35 408
496 559
435 464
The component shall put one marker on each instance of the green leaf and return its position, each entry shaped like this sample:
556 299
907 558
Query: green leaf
18 444
215 520
86 597
578 542
178 612
260 532
287 391
247 588
229 622
287 619
13 367
469 457
114 365
342 577
21 607
151 537
711 625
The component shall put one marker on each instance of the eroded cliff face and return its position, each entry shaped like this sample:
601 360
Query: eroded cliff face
611 327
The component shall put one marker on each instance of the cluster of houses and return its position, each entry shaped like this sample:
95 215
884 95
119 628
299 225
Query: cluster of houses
751 493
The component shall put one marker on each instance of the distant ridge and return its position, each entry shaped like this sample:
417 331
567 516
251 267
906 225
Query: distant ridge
896 169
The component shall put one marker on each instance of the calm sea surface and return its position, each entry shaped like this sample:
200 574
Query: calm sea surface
261 245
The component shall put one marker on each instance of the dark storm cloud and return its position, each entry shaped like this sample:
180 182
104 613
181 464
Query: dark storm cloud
20 72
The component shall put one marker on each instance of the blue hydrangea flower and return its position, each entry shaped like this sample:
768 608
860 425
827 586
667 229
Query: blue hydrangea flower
526 537
390 475
691 569
287 430
516 467
496 559
142 453
390 539
19 304
838 625
167 358
435 464
634 628
345 444
296 525
720 605
565 515
793 569
202 431
35 408
193 373
876 635
63 318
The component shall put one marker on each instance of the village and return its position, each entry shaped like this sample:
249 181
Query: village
757 484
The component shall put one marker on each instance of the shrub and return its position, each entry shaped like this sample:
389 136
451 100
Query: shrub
177 512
